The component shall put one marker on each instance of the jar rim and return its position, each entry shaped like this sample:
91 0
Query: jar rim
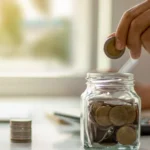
109 75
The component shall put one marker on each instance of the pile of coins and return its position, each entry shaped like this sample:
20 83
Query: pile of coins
112 121
20 130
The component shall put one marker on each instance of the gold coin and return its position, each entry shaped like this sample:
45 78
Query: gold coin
126 135
110 49
92 110
137 114
95 106
131 113
102 116
118 115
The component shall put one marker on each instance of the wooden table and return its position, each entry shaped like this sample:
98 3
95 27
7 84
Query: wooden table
46 134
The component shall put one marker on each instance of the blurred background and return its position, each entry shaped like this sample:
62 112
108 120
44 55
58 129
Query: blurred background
47 46
35 35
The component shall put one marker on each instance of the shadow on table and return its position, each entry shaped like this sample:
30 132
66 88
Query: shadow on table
21 146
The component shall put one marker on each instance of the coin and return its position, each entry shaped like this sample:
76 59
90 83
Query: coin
118 115
110 49
19 120
137 114
102 116
131 113
126 135
21 141
21 133
26 123
92 110
20 129
95 106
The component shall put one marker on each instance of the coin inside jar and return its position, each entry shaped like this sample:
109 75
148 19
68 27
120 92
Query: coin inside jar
118 115
131 113
126 135
110 49
95 106
92 110
102 116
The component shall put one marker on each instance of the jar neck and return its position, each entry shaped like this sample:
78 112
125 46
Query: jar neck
111 81
109 86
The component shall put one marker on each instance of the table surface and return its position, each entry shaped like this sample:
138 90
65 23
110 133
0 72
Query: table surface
46 134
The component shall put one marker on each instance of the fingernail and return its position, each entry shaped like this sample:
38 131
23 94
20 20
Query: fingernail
119 46
135 55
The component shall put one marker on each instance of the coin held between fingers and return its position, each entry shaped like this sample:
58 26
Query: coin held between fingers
118 44
110 49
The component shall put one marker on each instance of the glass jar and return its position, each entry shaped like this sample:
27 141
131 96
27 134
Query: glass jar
111 110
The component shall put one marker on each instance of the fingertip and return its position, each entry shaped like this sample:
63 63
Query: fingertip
111 35
135 55
119 45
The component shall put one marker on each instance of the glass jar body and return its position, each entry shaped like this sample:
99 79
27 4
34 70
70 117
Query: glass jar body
110 117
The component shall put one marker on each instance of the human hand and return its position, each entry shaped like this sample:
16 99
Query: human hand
134 29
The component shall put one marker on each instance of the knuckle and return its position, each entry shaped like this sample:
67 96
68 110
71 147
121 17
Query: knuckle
128 15
135 24
148 1
145 37
130 44
146 40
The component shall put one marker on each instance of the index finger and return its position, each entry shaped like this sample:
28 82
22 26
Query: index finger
124 25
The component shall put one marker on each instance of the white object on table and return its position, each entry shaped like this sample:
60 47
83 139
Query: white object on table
128 66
